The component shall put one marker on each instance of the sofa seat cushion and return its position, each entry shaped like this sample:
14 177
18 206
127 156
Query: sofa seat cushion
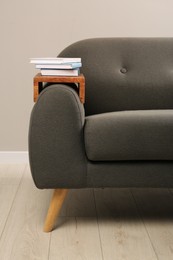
129 135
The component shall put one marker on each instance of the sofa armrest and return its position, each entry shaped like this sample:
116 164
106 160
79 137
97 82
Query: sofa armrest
56 145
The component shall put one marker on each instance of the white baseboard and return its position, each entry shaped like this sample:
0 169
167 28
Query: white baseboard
14 157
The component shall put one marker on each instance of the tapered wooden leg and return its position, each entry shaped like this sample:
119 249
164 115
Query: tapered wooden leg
54 208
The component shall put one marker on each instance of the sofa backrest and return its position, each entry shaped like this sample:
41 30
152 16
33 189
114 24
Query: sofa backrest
125 73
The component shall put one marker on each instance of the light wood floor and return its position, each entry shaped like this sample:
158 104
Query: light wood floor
94 224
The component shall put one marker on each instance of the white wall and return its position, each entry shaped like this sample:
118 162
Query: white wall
43 28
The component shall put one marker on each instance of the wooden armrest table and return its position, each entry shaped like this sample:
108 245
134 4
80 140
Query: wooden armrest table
39 79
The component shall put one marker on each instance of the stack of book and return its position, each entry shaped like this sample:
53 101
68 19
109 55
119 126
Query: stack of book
58 66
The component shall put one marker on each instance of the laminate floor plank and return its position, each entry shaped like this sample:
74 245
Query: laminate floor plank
79 203
122 233
10 177
76 233
23 237
94 224
156 209
76 239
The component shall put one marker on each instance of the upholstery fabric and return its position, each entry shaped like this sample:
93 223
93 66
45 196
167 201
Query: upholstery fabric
56 145
130 135
126 138
124 174
125 73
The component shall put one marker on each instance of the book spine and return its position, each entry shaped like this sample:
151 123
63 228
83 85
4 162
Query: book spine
54 60
59 66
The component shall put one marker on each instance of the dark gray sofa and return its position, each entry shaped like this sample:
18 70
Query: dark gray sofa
123 135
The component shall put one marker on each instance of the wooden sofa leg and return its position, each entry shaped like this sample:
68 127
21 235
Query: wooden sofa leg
54 208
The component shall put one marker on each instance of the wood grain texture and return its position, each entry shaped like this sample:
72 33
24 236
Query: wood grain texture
123 235
38 79
76 204
121 224
76 239
156 209
54 208
9 185
23 236
79 203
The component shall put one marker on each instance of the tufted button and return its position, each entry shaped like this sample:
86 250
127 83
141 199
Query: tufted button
123 70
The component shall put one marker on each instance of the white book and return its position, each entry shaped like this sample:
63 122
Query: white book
54 60
71 72
59 66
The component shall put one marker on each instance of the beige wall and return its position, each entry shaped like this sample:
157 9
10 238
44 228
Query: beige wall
43 28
